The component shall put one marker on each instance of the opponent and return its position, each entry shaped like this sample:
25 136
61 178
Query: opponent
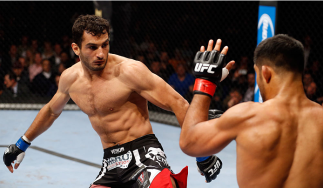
279 142
113 92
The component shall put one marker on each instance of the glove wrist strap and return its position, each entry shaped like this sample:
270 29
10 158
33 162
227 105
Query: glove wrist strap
202 86
200 159
21 144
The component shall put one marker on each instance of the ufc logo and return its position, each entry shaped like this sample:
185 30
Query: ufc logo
200 67
216 167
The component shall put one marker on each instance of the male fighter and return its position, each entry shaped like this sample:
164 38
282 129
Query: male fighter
113 92
279 142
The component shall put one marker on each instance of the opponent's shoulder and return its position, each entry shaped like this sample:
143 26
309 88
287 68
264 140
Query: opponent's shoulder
245 114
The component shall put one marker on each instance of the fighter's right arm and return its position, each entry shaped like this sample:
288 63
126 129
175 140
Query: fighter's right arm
42 122
52 109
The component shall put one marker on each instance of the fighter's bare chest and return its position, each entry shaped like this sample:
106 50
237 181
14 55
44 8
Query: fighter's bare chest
100 97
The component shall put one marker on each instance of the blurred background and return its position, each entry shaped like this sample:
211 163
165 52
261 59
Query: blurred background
35 40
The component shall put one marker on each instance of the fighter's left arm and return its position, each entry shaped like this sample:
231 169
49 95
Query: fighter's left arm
153 88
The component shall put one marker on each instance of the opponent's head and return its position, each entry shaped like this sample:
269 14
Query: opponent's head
280 55
91 41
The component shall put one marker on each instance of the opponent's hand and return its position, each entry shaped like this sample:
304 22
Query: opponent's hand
15 152
210 168
208 68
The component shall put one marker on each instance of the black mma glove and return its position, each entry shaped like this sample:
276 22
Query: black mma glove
15 152
214 113
209 71
210 168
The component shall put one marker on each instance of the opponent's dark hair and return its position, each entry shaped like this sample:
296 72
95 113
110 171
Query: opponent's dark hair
283 52
92 24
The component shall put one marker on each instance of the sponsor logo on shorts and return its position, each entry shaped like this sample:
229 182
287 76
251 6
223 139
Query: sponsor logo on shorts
141 178
157 155
118 150
121 161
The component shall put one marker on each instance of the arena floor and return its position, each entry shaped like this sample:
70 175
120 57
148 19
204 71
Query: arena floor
69 154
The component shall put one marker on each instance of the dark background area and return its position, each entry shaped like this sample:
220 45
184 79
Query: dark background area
167 24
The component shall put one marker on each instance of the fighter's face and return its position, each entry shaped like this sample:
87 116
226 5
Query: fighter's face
94 51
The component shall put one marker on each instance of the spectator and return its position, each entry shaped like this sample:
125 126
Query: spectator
53 89
57 54
232 99
165 68
65 59
22 48
61 68
307 80
44 80
11 57
182 82
14 89
29 57
155 68
21 73
35 68
177 59
249 94
34 46
311 92
48 52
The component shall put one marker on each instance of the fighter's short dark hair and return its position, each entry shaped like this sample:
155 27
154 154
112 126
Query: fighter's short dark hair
283 52
92 24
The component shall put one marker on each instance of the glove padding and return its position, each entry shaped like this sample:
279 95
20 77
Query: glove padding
13 153
210 168
208 71
214 113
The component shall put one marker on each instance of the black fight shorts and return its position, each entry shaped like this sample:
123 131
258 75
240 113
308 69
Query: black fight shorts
133 165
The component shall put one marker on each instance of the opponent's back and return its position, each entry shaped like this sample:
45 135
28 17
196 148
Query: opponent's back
281 145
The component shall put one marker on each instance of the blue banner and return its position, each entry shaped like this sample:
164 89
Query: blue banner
266 29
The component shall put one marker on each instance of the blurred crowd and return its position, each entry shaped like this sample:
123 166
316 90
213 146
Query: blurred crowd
175 68
31 70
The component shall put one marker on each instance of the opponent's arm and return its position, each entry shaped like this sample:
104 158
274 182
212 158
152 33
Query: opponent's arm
41 123
200 137
150 86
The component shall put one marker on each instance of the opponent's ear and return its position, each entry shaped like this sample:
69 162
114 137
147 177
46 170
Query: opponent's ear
76 49
266 73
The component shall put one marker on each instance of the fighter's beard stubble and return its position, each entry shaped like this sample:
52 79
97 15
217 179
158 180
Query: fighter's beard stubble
88 65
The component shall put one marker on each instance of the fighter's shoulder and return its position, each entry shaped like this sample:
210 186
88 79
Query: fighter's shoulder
245 112
69 75
244 108
131 67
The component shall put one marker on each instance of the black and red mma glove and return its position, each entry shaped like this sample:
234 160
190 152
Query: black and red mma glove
209 71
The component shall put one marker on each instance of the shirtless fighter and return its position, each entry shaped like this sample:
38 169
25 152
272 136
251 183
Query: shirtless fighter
279 142
113 92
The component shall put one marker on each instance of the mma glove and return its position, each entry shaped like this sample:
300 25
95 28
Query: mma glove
210 168
209 71
16 151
